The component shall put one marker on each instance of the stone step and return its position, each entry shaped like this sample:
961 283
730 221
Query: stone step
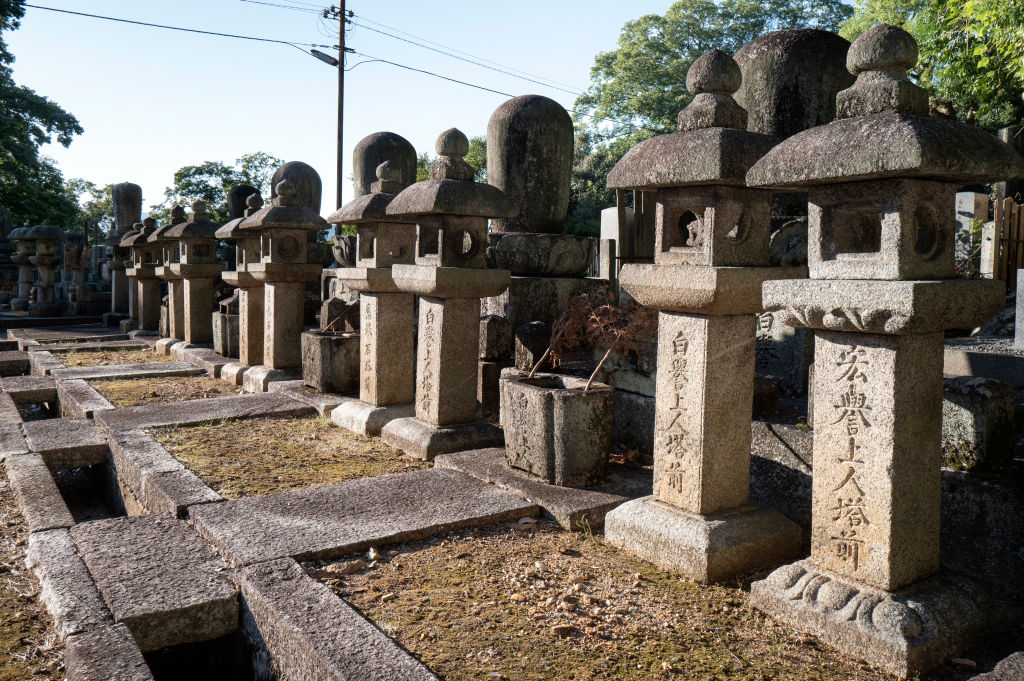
332 520
160 579
140 370
66 443
192 412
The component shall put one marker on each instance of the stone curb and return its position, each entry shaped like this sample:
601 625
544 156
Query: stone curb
66 443
98 346
105 654
202 357
39 499
9 414
78 399
194 412
127 371
42 363
324 403
12 441
14 363
312 635
27 389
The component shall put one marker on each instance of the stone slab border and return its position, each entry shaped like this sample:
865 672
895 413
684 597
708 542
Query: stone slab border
324 403
42 362
9 414
14 363
195 412
98 346
105 653
80 400
12 441
312 634
127 371
201 356
39 499
27 389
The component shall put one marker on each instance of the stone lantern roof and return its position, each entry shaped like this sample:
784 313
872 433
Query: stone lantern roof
160 234
45 231
198 226
372 207
285 213
19 233
233 229
140 236
451 189
883 130
712 145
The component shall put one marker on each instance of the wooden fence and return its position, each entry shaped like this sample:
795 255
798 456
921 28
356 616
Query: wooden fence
1009 228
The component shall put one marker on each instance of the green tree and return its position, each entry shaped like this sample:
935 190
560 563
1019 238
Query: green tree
95 203
31 186
475 157
211 180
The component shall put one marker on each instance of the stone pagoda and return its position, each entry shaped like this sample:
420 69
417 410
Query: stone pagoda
387 366
175 287
711 257
284 228
450 275
198 268
46 259
881 179
146 255
250 291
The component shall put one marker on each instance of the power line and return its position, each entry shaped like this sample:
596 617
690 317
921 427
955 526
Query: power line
291 7
293 43
469 61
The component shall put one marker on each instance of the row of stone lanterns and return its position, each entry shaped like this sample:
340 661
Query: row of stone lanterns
37 251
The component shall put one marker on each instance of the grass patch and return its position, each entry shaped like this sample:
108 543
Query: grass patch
263 456
29 648
95 358
529 602
134 392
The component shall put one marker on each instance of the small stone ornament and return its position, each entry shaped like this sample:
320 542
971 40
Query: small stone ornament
713 79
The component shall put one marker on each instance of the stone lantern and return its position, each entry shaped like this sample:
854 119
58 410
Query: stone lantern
284 228
881 180
169 255
250 291
450 276
146 255
387 324
46 259
198 268
25 249
711 257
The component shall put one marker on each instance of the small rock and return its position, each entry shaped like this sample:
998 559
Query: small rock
373 554
527 521
386 597
518 598
578 579
563 630
345 568
964 662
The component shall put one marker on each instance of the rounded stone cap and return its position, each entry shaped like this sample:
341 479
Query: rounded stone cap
233 228
285 214
375 149
691 157
452 197
883 48
19 233
714 71
198 226
366 208
46 231
452 142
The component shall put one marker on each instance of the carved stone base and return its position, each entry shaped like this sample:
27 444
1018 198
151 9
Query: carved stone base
368 419
258 379
904 632
704 548
425 441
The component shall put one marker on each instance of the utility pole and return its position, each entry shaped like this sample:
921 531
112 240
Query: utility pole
342 15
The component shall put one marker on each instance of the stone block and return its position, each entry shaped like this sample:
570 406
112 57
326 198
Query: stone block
368 419
387 354
784 352
9 414
330 361
330 641
14 363
259 379
159 579
1010 668
233 373
205 359
531 340
423 440
446 361
766 395
977 424
984 357
706 548
121 371
543 255
633 422
225 334
43 363
702 290
488 397
555 429
332 520
543 299
39 500
12 441
105 654
78 399
495 337
67 589
164 345
26 389
65 444
324 403
193 412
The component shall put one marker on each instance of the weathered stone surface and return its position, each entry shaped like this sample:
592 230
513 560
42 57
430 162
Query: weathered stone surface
784 353
700 289
880 58
12 440
331 520
24 389
233 373
790 80
41 363
977 424
312 635
375 149
465 283
633 423
78 399
572 508
425 440
225 334
902 632
67 589
488 393
495 337
1009 669
883 307
250 325
203 358
780 470
984 357
9 414
543 255
159 579
140 370
705 548
105 654
531 341
446 362
330 361
65 444
369 419
192 412
260 379
529 158
305 181
556 430
39 499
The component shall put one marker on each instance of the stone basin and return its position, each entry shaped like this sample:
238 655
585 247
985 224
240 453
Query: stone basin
543 255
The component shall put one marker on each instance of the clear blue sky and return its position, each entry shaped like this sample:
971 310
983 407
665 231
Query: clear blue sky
153 100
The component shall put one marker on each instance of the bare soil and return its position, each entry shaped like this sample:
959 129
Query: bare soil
533 601
262 456
29 648
94 358
135 392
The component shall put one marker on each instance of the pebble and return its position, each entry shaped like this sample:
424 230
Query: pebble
518 598
527 521
563 630
578 579
345 568
373 554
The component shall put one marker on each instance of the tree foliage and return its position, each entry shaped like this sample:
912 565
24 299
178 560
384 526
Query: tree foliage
210 182
31 186
95 203
475 157
972 53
